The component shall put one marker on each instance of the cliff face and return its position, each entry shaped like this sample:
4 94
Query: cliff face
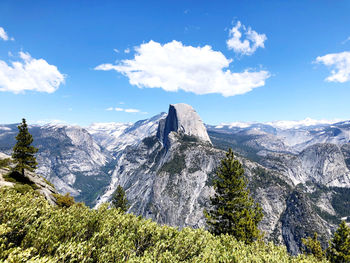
183 120
300 221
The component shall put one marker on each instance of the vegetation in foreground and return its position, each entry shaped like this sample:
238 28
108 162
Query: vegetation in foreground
31 230
233 211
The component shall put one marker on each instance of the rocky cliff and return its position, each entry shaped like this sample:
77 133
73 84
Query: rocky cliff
183 120
38 183
166 164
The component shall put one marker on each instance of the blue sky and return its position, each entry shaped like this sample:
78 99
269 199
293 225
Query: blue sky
69 60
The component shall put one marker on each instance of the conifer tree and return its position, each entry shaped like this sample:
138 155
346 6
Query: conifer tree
313 247
23 152
119 199
339 245
233 211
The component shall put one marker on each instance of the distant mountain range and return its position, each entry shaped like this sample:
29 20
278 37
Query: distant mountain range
299 172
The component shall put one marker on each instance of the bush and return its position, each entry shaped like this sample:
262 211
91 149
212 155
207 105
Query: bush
17 177
23 188
64 200
33 231
5 162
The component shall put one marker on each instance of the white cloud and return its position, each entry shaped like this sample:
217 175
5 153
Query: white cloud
29 74
116 50
127 51
174 67
131 110
247 46
341 64
124 110
4 36
346 40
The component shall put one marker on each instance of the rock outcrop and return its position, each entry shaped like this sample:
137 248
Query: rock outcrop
183 120
41 185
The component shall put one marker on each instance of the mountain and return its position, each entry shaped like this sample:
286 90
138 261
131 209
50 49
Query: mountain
80 160
167 177
115 137
299 173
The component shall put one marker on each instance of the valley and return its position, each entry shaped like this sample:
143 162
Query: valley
300 175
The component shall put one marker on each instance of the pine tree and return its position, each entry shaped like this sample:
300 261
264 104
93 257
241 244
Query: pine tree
119 199
339 245
313 247
233 211
23 153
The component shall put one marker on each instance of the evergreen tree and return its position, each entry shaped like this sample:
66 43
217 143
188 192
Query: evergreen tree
119 199
23 152
339 246
233 211
313 247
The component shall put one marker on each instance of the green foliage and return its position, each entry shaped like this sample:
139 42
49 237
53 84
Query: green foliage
313 247
64 201
22 183
23 188
234 211
339 246
119 199
4 163
175 165
33 231
16 177
23 152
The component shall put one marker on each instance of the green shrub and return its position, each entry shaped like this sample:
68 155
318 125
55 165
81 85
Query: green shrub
313 246
23 188
64 200
33 231
5 162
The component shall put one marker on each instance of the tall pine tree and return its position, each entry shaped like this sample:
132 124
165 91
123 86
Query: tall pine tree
23 152
313 247
339 246
233 211
119 199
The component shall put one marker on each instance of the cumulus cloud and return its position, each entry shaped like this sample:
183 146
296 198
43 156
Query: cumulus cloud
340 64
246 46
4 36
29 74
124 110
127 51
174 66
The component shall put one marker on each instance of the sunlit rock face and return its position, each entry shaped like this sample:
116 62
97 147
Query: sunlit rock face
184 120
